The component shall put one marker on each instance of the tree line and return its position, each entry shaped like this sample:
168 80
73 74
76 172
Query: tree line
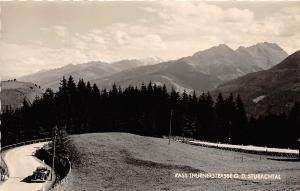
146 110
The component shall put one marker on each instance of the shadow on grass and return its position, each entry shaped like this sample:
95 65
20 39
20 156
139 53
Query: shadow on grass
286 159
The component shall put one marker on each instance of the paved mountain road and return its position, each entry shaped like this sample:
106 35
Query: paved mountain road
21 165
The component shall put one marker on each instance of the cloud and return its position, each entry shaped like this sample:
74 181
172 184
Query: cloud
61 31
32 58
237 15
169 30
191 21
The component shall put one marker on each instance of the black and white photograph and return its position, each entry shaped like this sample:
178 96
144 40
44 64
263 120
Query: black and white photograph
148 95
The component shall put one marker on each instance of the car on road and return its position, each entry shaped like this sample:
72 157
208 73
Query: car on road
40 174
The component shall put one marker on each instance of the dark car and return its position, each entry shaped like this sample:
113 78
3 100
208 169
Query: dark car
40 174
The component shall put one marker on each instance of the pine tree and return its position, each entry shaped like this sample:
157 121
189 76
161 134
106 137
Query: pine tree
294 124
95 91
63 86
240 110
221 119
64 146
240 121
71 86
81 85
25 105
88 88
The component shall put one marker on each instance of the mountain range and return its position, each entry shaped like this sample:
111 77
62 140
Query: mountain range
226 64
263 74
177 74
88 71
202 71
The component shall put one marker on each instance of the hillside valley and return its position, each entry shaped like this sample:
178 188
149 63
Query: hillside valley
274 90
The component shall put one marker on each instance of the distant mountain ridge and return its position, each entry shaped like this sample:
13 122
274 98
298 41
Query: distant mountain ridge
274 90
132 63
265 54
88 71
226 64
178 75
51 78
209 68
202 71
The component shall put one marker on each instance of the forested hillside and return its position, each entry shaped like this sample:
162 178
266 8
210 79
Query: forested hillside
146 110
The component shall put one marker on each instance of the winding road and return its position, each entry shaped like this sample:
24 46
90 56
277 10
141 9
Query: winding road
21 164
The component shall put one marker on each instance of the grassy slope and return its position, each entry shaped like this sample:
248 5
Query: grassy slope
120 161
14 92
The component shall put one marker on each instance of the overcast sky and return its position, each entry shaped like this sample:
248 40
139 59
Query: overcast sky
44 35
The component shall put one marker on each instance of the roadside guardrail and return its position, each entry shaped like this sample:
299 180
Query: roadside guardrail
60 185
5 148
